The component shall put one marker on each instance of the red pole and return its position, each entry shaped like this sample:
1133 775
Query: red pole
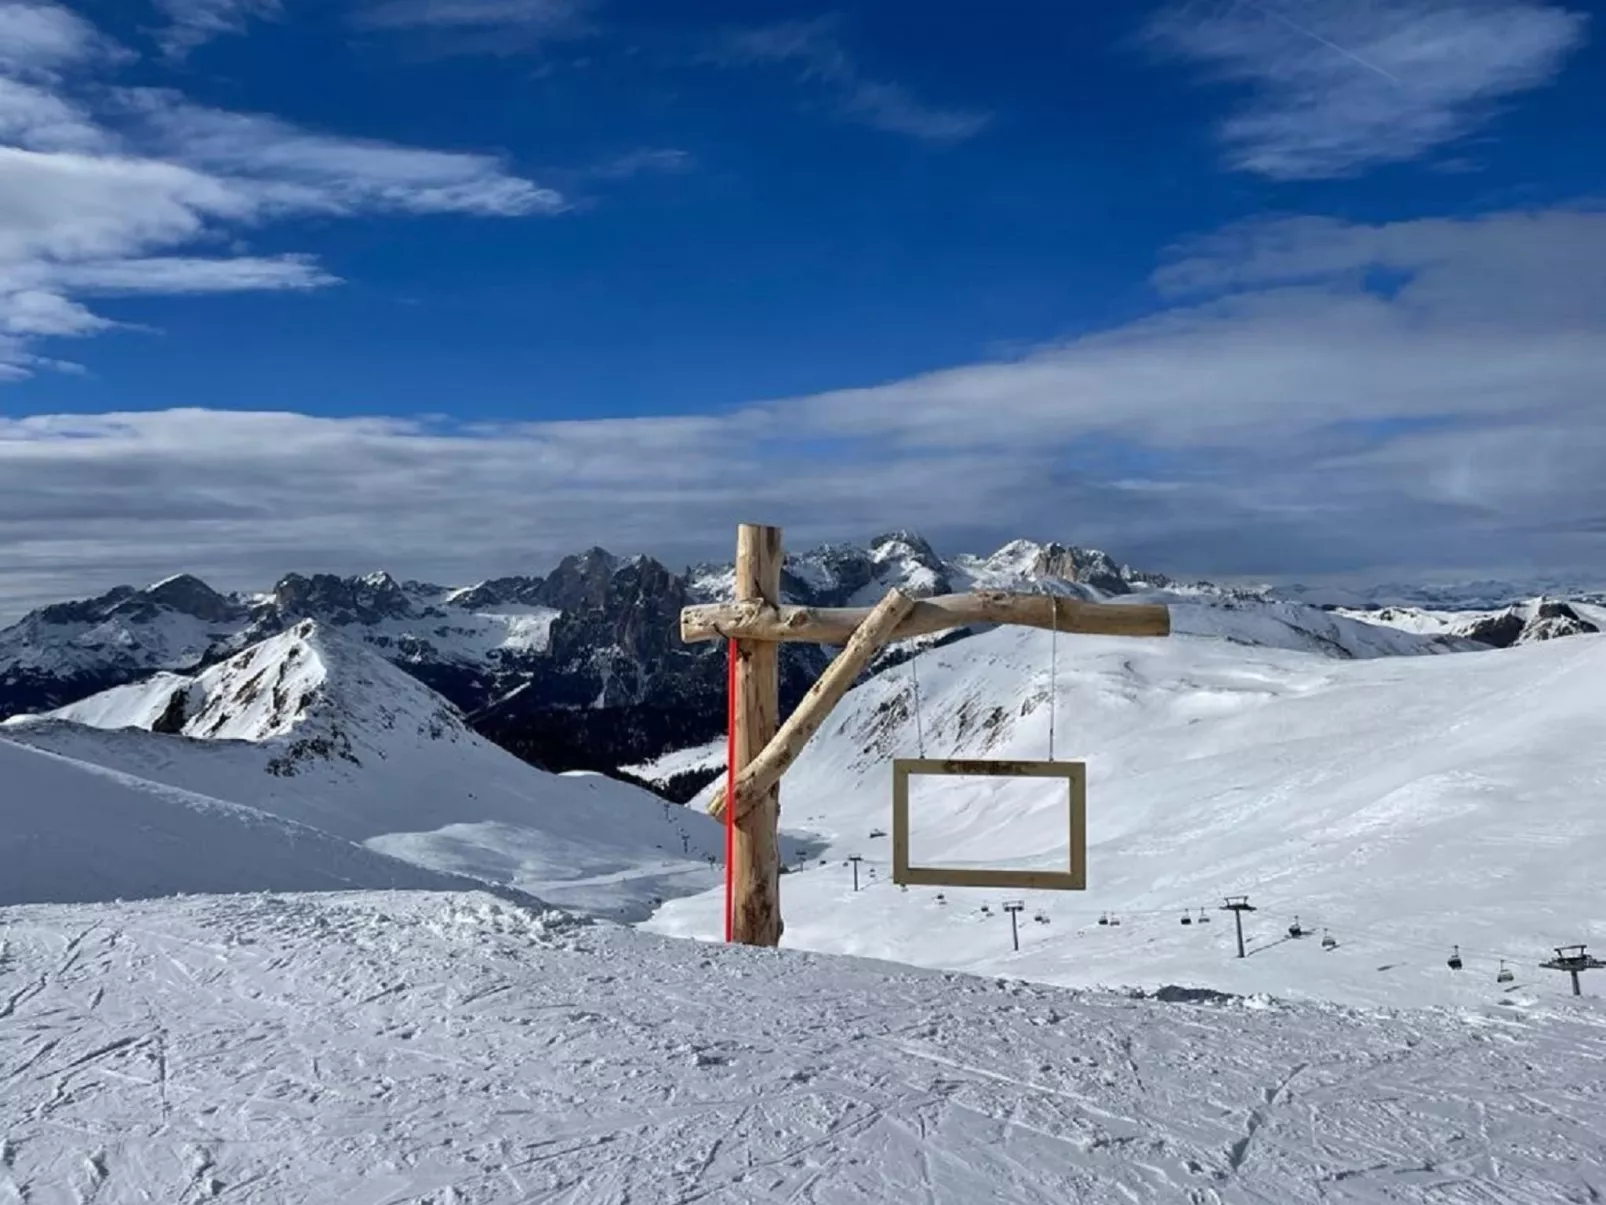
730 788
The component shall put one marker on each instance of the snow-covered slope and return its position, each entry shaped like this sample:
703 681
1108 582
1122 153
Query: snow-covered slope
71 832
430 1049
1522 623
316 729
1405 804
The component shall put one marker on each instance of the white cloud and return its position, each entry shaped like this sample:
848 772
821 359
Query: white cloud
1260 428
285 167
195 22
37 119
41 38
125 196
813 48
1343 85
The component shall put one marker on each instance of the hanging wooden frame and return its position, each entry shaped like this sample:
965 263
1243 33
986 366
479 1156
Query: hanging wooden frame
1073 773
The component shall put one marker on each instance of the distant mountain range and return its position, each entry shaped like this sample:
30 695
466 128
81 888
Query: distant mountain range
583 668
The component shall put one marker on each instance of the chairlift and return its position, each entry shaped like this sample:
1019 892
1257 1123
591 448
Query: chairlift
1104 918
941 898
1506 974
1041 918
1455 958
1114 920
1204 917
1329 942
1294 930
1186 919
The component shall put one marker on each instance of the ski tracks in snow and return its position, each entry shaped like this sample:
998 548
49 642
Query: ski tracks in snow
404 1049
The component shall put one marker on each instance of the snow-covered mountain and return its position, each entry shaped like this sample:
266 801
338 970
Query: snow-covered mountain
1406 804
580 669
317 730
1520 623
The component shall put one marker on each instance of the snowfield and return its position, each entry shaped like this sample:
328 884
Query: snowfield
1404 804
320 732
410 1048
74 832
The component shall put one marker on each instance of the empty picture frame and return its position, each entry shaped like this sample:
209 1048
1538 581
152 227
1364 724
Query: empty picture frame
1072 773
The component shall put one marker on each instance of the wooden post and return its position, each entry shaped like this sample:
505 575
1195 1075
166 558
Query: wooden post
756 858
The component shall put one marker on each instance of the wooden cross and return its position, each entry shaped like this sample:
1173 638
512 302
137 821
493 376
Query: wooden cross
764 747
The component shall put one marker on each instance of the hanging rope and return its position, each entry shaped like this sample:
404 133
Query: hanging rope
1053 671
914 676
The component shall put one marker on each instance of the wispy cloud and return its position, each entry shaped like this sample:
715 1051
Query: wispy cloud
494 27
815 51
285 167
1343 85
1280 418
195 22
444 14
117 191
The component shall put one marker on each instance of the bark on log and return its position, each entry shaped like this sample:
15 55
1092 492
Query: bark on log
765 770
753 620
756 856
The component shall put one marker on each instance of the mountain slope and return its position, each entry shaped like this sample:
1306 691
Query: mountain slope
393 1047
318 730
73 832
1406 804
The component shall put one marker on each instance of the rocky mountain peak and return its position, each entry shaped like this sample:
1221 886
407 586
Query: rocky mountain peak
580 581
189 595
499 591
342 600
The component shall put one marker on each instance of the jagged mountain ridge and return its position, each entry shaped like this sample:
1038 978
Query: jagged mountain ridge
581 668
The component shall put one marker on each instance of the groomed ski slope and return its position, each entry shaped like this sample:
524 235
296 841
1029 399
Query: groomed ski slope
1404 804
391 1048
71 831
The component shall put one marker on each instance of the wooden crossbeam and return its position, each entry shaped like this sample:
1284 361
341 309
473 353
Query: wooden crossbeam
754 620
765 770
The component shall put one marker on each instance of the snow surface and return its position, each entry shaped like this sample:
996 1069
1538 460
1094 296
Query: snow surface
404 1047
1405 804
316 729
709 756
76 832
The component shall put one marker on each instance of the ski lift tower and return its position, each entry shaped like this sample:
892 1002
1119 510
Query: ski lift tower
1238 905
1573 959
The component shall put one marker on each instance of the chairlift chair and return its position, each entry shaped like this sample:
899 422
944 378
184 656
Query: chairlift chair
1328 940
1186 919
1104 918
1294 930
1455 958
1506 974
1204 917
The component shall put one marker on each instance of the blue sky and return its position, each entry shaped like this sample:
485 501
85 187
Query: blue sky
1247 287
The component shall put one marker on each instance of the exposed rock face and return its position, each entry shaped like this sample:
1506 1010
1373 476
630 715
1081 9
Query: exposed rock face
1543 620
